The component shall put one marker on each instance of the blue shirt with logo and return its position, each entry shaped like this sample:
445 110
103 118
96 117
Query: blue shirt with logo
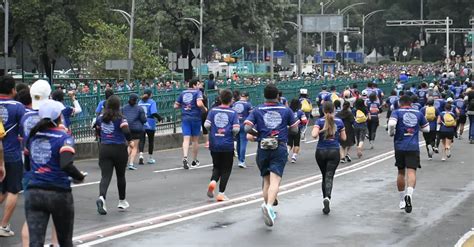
409 121
44 150
374 109
272 120
28 121
392 102
67 112
322 96
150 108
439 104
222 120
422 96
111 132
333 141
243 108
11 112
188 102
299 115
457 90
461 105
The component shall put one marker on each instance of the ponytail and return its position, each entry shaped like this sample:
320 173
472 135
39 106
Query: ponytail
329 127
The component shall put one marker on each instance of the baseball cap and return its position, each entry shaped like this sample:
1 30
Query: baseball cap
449 99
50 109
364 93
431 85
303 91
39 91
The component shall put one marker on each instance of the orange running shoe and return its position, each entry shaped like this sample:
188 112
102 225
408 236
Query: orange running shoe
221 197
211 188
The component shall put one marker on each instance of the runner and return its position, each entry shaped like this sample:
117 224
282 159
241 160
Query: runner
48 191
462 107
373 122
68 111
423 94
108 92
294 140
114 134
191 103
223 124
282 99
136 119
328 130
348 119
321 96
447 129
243 108
11 113
391 104
306 107
404 125
361 115
431 114
469 100
151 111
268 124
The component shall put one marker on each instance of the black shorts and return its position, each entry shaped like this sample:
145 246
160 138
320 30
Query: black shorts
446 135
136 135
294 140
462 119
204 130
14 175
407 159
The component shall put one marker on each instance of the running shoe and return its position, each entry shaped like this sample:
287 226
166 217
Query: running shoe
448 153
132 167
348 158
210 189
408 206
221 197
402 204
151 161
343 160
242 165
123 204
371 145
195 164
185 164
436 150
275 203
140 160
443 158
6 231
101 208
268 215
430 156
326 203
293 160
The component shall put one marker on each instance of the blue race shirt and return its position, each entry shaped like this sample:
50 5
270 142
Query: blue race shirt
333 142
149 106
322 96
188 102
272 120
243 108
67 114
422 96
44 150
11 112
111 133
299 115
392 102
434 122
223 120
457 90
443 127
408 125
283 100
28 121
459 103
100 107
374 109
328 96
416 106
439 104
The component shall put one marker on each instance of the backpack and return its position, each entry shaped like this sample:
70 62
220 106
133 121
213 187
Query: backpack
334 97
449 120
430 113
360 117
306 106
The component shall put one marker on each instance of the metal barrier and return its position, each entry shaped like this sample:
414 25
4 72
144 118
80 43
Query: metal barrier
83 132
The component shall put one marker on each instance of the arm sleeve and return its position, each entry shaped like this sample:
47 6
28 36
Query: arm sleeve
77 107
392 123
66 162
125 130
98 110
235 125
292 122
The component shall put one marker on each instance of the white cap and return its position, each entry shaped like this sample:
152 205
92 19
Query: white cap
364 92
303 91
51 109
39 91
432 85
449 99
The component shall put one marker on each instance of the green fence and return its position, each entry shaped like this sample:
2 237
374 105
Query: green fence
81 124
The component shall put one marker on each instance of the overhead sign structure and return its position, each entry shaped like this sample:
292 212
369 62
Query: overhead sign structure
397 23
451 30
11 63
322 23
119 64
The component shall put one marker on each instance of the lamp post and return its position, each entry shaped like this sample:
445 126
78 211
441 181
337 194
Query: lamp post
365 18
199 27
299 40
342 12
130 18
6 10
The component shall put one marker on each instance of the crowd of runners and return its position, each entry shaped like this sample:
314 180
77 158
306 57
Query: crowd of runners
34 119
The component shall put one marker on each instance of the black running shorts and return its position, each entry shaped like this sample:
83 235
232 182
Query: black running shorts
407 159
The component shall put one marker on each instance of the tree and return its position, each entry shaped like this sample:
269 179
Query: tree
110 42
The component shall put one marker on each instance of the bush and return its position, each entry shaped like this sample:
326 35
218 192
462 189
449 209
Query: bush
384 62
433 53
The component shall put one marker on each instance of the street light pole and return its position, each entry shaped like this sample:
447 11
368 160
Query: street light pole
271 55
365 18
130 43
342 12
200 37
421 32
299 40
5 45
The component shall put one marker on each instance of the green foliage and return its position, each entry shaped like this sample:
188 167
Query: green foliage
110 42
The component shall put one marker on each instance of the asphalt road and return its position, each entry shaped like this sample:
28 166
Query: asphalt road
169 206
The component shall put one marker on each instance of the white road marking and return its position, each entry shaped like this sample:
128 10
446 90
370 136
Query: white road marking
346 170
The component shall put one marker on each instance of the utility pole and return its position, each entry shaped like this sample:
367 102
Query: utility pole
421 32
271 55
130 44
5 45
299 40
200 36
447 44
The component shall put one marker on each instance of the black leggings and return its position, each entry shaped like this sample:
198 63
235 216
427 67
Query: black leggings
113 156
39 205
327 160
222 168
372 125
151 141
430 138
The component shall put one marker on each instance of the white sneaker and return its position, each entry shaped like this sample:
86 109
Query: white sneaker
402 204
242 165
6 231
123 204
101 207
